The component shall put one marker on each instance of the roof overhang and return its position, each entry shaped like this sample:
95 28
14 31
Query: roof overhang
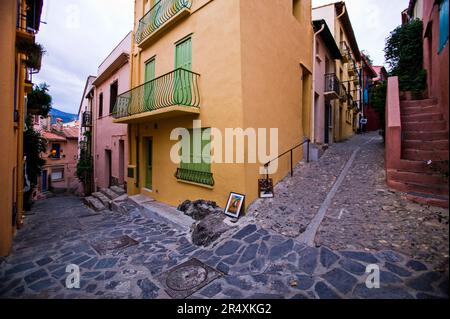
120 61
345 20
327 38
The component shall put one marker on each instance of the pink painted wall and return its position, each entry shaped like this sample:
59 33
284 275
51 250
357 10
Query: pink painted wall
322 54
435 63
107 135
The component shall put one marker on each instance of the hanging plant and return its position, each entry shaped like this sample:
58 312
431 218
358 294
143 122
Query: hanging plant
34 52
39 101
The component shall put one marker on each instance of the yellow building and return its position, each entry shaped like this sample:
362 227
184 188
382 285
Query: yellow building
347 108
19 22
228 63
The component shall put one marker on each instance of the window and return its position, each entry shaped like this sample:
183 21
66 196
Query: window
196 166
113 89
57 174
100 105
297 9
443 24
56 151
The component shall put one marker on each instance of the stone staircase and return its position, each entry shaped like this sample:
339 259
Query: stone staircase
424 145
106 198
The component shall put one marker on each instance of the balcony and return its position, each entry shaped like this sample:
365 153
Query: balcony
172 94
163 14
28 19
86 120
345 52
332 85
343 95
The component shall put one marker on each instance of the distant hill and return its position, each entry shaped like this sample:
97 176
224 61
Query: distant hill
66 117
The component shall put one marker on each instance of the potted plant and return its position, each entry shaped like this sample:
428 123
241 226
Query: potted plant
39 101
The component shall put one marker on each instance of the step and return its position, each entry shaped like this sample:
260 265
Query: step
163 213
419 103
425 155
428 199
419 110
425 178
423 117
425 126
109 193
409 187
94 203
118 190
425 145
425 136
101 197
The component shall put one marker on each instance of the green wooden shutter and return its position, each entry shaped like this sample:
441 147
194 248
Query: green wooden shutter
183 79
149 87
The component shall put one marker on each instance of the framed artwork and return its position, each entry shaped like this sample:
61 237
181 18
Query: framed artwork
234 205
265 188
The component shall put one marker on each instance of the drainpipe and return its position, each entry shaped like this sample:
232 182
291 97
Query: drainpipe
344 9
313 96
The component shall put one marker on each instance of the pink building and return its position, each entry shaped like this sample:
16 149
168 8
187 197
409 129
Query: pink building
326 83
59 173
109 139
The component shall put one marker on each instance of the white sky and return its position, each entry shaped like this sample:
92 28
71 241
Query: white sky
79 34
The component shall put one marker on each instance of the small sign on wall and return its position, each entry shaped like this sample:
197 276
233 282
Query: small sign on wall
265 188
234 205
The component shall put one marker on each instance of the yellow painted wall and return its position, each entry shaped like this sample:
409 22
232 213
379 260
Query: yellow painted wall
7 163
251 76
276 93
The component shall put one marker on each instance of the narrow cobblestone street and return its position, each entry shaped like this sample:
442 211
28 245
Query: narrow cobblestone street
126 255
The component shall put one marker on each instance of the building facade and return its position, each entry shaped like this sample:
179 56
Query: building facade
59 172
327 87
221 63
19 22
346 113
110 142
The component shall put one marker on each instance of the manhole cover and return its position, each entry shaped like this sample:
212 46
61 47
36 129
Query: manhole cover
183 280
114 244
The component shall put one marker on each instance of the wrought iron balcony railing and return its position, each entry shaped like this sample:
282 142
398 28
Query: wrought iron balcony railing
343 95
179 87
87 119
199 177
158 15
29 16
345 51
332 84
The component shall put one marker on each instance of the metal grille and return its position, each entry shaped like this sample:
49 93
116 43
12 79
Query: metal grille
199 177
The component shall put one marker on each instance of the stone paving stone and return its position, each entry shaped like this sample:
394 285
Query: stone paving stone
91 288
148 288
281 250
389 256
247 230
397 269
106 263
10 286
265 296
416 265
299 296
211 290
79 260
238 282
233 293
44 261
252 238
341 280
353 267
327 257
20 268
228 248
424 282
304 282
89 264
37 275
361 291
389 278
249 254
307 260
325 292
41 285
261 278
360 256
222 267
263 249
422 295
231 260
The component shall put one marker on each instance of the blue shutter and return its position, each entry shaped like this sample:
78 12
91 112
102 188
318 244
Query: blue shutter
443 25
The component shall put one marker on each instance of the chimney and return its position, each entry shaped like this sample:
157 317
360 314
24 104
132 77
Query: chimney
59 124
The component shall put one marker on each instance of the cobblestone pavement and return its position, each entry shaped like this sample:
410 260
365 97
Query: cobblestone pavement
364 214
253 262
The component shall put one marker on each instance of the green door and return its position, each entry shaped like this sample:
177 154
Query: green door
149 86
149 164
183 79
